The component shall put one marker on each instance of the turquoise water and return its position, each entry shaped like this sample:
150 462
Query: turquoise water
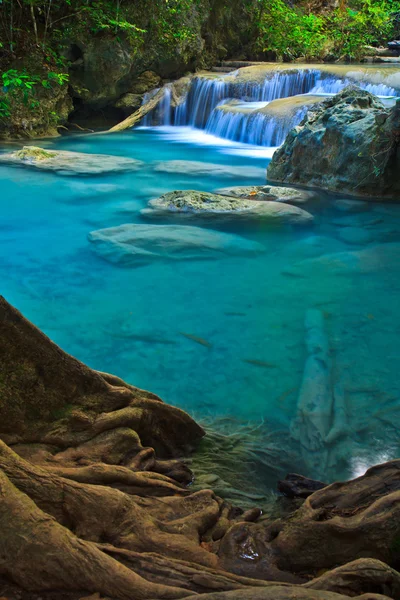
130 321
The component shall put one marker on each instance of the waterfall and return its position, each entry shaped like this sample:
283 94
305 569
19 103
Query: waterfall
206 93
254 128
209 103
331 85
163 114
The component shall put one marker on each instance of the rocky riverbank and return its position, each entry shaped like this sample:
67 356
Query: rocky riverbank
348 144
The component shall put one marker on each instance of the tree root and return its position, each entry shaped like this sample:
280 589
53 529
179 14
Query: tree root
88 506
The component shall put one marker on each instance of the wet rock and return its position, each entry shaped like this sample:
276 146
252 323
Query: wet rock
194 168
192 204
268 192
69 163
298 486
130 245
349 143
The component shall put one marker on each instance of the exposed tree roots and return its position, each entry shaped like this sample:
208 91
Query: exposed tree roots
94 499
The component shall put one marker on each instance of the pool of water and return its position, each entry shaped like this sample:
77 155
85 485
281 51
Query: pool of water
250 311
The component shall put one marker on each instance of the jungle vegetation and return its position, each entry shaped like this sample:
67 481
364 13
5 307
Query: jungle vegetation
34 33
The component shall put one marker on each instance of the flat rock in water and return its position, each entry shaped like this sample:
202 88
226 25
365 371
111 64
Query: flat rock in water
70 163
268 192
131 245
195 168
205 205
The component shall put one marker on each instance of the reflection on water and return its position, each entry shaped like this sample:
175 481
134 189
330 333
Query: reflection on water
251 312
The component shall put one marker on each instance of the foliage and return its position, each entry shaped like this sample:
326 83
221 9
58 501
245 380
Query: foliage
19 86
37 30
288 31
368 23
291 31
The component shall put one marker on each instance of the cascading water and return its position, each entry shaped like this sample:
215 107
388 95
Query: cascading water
163 114
331 85
253 127
205 94
203 106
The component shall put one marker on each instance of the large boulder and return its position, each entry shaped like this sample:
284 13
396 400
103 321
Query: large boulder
130 245
349 143
190 204
69 163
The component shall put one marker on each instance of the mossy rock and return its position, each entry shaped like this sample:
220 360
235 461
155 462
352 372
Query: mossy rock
35 153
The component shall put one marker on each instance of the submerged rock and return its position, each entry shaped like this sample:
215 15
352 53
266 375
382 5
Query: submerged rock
351 206
268 192
196 168
70 163
349 143
192 204
130 245
355 236
373 259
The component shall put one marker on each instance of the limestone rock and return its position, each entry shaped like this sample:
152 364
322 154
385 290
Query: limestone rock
268 192
128 103
194 168
148 80
192 204
70 163
130 245
350 143
103 70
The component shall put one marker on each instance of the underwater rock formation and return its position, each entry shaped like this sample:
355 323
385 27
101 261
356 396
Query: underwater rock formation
349 143
373 259
132 245
84 460
196 168
189 204
69 163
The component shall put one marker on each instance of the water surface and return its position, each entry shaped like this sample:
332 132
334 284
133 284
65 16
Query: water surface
250 311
